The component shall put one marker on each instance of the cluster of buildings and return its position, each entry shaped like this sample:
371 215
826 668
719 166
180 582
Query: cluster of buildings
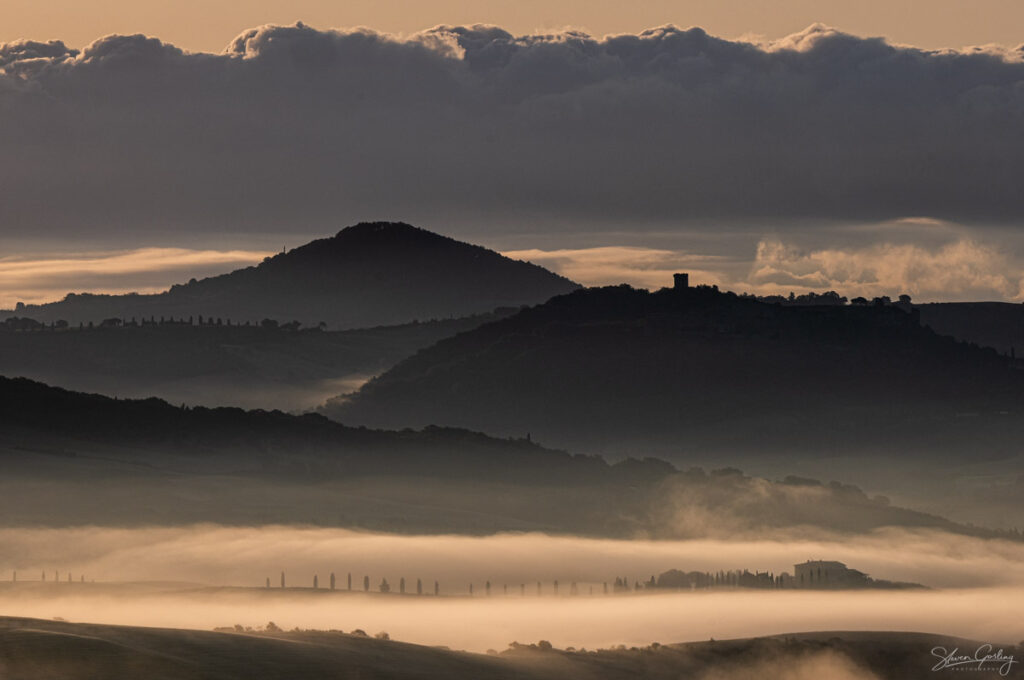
811 575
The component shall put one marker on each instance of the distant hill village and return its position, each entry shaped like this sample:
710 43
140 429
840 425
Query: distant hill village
810 575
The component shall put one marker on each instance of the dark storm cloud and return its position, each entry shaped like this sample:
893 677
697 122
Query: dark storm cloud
296 128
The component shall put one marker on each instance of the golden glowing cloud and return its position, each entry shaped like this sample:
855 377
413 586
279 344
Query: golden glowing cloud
144 270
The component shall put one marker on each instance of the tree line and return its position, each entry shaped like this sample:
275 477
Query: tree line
28 324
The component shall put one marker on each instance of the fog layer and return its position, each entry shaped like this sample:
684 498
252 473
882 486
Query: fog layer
979 584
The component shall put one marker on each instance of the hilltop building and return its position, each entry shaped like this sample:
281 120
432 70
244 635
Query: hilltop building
827 574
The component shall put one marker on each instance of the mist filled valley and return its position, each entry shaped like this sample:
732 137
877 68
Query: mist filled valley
700 360
208 576
610 470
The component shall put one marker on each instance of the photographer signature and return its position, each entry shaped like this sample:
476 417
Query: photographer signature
982 657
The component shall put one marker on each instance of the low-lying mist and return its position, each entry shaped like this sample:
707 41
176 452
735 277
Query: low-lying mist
481 623
245 556
978 584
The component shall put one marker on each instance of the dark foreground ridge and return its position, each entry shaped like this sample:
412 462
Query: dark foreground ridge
33 649
696 370
370 274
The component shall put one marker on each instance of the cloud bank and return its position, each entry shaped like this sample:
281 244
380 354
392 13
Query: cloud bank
143 270
293 128
959 269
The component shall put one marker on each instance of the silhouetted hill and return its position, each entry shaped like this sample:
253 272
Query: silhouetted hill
216 365
275 442
999 325
696 370
369 274
154 463
33 649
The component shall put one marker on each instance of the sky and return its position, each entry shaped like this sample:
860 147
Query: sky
872 148
208 25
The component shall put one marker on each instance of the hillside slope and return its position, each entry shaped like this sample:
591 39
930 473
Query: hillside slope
217 365
111 461
699 370
34 649
999 325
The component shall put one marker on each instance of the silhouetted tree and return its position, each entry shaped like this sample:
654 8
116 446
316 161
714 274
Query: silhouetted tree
366 584
419 586
487 588
401 585
332 580
437 588
282 579
384 586
268 581
316 582
350 580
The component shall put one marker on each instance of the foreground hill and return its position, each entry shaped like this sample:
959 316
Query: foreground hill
695 370
370 274
34 649
72 458
215 365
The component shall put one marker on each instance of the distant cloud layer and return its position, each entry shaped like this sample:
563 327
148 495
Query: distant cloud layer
144 270
963 269
292 128
957 270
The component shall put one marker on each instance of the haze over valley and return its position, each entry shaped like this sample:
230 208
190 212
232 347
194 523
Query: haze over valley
469 352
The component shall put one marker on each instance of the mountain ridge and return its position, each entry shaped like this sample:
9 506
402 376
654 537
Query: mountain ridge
369 274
